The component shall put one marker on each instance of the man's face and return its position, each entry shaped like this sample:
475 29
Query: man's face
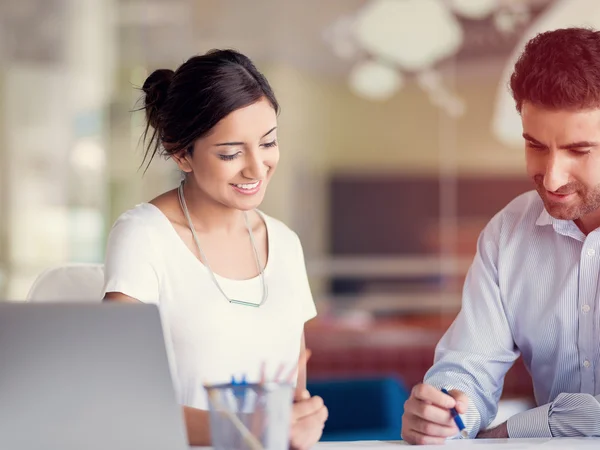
563 159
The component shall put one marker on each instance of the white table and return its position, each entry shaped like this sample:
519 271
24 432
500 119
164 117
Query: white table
481 444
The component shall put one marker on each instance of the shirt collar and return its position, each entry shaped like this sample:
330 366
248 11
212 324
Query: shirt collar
544 218
564 227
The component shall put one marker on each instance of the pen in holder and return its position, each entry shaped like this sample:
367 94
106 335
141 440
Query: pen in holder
247 416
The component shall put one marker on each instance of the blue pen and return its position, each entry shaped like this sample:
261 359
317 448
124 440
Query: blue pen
240 391
458 420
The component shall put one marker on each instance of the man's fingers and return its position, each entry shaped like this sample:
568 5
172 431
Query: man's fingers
430 394
434 429
429 412
414 437
462 401
427 416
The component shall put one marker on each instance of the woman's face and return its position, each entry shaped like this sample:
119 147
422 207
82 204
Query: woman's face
234 163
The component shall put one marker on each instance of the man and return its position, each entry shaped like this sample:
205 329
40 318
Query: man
532 289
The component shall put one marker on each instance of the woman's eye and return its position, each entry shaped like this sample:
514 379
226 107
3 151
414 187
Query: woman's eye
229 157
270 144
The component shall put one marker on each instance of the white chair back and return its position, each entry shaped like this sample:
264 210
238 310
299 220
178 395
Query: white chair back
75 282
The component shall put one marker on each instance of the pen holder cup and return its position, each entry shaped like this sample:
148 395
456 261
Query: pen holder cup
250 416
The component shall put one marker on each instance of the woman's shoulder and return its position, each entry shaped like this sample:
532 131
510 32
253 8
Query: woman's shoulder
143 218
141 230
280 231
142 213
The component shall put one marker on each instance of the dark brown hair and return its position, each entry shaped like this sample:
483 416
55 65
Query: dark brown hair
559 69
184 105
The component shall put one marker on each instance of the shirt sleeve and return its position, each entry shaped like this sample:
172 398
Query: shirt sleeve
569 415
130 266
309 310
478 349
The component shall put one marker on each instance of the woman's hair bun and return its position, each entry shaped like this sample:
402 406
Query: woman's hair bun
155 89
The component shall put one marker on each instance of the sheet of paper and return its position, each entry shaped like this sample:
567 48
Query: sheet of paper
454 445
571 443
365 445
481 444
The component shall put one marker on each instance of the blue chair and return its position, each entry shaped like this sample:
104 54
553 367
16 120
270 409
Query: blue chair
362 409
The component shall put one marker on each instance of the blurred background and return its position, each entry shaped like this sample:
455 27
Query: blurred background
399 142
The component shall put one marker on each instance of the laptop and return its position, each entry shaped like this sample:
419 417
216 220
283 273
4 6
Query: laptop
86 377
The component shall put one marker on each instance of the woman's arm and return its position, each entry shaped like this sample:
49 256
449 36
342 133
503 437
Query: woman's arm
119 297
197 424
302 360
308 413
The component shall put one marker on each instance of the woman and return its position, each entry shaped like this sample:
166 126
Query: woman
229 280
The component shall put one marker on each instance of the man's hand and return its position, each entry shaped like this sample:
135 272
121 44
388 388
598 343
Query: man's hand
308 420
427 418
500 432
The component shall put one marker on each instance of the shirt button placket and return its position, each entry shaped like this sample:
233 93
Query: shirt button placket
587 292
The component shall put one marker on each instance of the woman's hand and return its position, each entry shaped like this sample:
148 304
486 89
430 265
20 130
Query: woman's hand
308 420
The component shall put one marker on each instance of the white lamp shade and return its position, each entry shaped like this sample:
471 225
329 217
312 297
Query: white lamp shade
374 81
414 34
474 9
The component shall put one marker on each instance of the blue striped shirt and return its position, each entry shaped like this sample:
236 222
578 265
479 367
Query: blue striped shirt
532 290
